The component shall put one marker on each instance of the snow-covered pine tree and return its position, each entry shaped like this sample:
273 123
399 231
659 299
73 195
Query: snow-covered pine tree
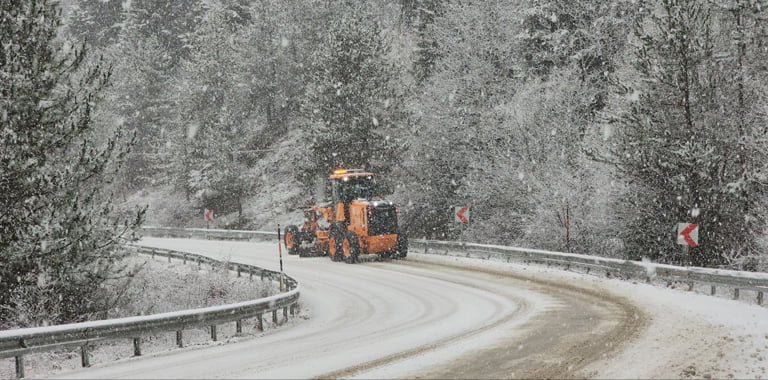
420 15
140 102
59 233
565 50
740 89
458 123
211 129
681 145
273 53
354 107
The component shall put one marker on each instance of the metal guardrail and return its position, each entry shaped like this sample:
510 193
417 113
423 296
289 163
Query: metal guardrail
207 233
648 272
19 342
644 271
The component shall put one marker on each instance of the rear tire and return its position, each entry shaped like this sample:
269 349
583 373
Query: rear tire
351 248
291 239
335 244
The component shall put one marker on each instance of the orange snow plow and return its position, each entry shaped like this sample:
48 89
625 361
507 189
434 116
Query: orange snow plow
355 225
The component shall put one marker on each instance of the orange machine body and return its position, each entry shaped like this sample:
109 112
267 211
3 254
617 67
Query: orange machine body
357 222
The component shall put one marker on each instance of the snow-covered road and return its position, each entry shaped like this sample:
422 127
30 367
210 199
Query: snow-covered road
445 317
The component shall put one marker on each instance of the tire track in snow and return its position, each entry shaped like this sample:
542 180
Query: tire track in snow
590 324
523 312
365 318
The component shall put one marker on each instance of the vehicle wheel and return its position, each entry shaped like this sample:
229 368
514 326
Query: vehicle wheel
306 241
402 245
291 239
335 245
351 248
333 249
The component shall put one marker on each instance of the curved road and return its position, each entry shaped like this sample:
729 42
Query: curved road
403 319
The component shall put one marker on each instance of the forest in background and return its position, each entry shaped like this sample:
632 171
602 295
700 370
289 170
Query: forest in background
613 120
578 126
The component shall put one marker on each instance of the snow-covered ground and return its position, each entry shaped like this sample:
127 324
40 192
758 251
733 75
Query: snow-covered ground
470 318
687 335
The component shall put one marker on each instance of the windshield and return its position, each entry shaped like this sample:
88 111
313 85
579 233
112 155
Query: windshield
349 188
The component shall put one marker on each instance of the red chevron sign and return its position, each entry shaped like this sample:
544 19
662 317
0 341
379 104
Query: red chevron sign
688 234
208 214
462 214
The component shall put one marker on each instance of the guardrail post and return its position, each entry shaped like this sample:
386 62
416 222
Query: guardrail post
250 272
153 254
84 360
184 257
274 316
179 339
760 298
137 346
214 337
262 275
713 291
293 310
285 313
198 263
260 322
736 293
20 367
238 270
169 258
239 326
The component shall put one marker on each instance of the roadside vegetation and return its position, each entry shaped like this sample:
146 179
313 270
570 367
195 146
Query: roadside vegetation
578 126
566 125
154 286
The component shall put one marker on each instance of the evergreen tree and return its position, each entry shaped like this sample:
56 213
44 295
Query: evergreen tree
456 114
274 52
682 146
421 16
140 103
59 233
352 102
211 128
